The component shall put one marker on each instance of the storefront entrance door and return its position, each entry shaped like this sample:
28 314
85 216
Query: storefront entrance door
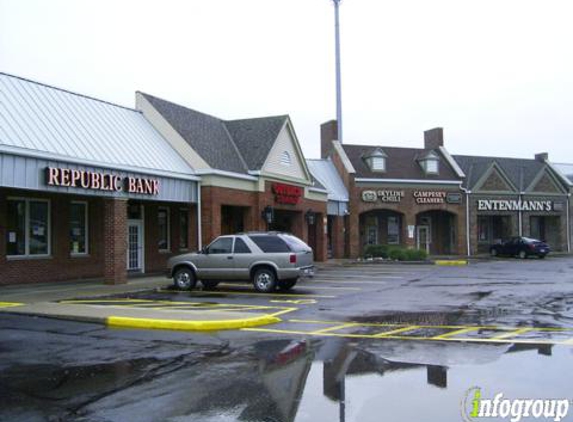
135 245
423 236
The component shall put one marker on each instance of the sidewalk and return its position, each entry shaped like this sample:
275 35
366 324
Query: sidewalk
43 300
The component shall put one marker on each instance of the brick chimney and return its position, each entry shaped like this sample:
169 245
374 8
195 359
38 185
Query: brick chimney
328 133
434 138
542 156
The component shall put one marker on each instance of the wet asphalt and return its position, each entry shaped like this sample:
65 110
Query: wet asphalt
360 343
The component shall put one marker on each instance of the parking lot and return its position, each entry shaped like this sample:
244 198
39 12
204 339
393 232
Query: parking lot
345 336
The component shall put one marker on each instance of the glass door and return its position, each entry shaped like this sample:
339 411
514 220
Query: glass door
423 236
135 245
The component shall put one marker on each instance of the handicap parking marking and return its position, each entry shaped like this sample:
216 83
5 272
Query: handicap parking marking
10 304
166 305
455 333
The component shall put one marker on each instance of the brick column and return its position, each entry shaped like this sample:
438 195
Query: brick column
353 230
3 233
321 238
115 241
409 220
337 235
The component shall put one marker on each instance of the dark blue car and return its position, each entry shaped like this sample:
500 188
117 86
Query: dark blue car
521 247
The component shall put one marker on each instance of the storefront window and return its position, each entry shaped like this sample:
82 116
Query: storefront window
184 229
163 225
483 229
78 228
28 227
393 231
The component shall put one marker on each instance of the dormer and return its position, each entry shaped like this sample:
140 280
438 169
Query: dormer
376 160
430 163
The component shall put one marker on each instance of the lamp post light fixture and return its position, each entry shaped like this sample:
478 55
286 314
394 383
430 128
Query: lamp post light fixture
310 217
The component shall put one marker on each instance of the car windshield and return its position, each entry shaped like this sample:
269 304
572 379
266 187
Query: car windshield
295 244
529 240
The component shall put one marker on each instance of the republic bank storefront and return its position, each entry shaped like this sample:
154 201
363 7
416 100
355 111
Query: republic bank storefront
84 193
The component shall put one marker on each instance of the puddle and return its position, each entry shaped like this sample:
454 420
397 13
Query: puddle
286 380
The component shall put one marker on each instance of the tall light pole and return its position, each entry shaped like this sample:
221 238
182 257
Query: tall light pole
338 84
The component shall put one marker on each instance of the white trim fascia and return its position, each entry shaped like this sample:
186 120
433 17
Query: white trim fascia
72 160
411 181
343 157
452 162
318 190
207 172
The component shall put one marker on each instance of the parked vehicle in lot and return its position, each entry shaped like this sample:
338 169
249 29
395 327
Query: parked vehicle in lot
270 260
521 247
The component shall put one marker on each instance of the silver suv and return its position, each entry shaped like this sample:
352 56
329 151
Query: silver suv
270 260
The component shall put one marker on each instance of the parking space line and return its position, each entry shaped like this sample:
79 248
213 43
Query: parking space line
335 328
10 304
261 294
513 333
455 333
396 331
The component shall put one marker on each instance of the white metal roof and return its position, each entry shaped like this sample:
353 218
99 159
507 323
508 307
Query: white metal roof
325 172
36 118
566 170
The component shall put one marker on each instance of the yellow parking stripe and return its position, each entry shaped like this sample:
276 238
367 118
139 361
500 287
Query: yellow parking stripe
335 328
512 333
396 331
455 333
10 304
262 294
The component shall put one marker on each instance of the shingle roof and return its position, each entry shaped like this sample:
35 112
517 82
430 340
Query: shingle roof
325 172
401 163
255 137
520 171
231 145
63 124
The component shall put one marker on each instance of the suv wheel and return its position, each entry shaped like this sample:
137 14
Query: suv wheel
264 280
522 254
287 284
184 279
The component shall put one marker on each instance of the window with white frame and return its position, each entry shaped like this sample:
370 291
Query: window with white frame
78 228
379 163
28 227
183 229
163 225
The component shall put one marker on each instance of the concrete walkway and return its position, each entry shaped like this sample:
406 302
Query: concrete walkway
44 300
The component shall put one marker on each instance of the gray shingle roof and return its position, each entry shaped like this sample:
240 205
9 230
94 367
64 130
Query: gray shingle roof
231 145
520 171
401 163
255 137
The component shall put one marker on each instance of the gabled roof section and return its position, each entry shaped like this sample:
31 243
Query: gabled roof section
255 138
565 171
495 180
401 163
207 135
520 171
37 118
547 181
325 172
375 152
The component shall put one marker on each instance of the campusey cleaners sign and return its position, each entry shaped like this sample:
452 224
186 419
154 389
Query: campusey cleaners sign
100 181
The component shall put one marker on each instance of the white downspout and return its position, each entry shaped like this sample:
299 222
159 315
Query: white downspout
568 223
199 230
520 215
468 241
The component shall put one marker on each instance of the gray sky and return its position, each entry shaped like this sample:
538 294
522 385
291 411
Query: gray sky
496 74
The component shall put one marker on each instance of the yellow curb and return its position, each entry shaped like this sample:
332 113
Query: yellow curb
451 263
10 304
165 324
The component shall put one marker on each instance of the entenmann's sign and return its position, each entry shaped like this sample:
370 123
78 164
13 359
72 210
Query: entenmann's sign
100 181
513 205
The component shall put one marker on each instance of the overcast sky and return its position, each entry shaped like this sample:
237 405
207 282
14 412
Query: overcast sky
496 74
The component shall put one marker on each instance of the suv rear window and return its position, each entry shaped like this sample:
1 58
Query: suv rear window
270 244
295 244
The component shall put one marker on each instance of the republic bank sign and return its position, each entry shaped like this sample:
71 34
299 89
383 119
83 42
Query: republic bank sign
514 205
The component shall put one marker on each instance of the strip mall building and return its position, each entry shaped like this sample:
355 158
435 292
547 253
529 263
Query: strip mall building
93 190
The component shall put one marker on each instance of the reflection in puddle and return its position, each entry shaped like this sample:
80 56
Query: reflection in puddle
295 381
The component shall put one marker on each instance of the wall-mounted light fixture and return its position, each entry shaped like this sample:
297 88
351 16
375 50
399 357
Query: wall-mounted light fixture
268 214
310 217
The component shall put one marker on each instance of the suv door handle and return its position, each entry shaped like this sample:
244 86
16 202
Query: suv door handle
229 257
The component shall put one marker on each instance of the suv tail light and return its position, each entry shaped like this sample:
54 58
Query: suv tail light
292 258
